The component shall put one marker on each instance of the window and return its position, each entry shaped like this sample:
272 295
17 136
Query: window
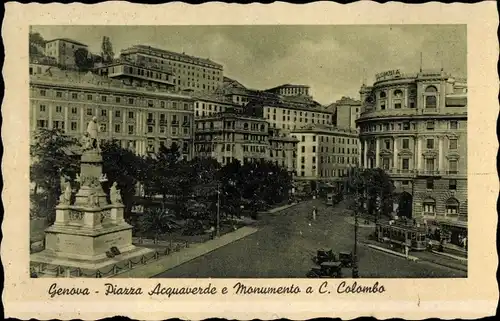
131 101
89 112
74 110
117 100
429 206
74 96
397 105
405 183
59 94
43 92
430 183
406 126
150 129
406 143
453 124
303 149
130 129
104 112
42 108
130 114
429 164
150 103
452 206
117 113
89 97
387 144
104 98
104 128
314 138
303 138
314 149
382 105
382 94
430 125
431 97
430 143
453 184
74 125
453 143
405 164
386 163
58 109
412 104
453 166
302 159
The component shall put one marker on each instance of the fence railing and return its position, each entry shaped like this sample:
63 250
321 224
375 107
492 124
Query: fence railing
65 271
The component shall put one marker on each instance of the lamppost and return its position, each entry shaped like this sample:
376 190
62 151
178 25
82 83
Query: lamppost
355 272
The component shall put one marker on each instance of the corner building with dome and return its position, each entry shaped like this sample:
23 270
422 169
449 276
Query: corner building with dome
414 126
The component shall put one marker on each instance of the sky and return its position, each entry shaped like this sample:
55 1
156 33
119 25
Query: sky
332 59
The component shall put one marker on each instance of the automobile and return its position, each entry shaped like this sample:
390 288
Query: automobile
324 256
346 259
326 270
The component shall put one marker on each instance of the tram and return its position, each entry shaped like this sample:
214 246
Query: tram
402 233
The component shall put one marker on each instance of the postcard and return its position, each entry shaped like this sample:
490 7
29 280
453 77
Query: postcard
250 161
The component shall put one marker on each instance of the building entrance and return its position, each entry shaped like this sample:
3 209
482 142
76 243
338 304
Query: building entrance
405 205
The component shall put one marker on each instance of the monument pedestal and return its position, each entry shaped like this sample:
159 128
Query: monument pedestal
89 234
81 238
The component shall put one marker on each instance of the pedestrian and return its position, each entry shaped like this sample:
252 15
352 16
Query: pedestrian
314 213
464 241
407 250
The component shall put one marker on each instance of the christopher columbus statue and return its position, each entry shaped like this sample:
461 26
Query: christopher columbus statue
91 136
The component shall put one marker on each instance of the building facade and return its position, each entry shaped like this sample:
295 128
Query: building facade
415 128
283 149
324 152
290 90
191 73
210 104
347 110
63 50
140 119
231 135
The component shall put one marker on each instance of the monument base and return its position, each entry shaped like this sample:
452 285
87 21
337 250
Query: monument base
71 248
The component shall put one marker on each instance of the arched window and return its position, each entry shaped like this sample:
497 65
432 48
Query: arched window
382 94
431 89
452 206
429 206
398 93
245 126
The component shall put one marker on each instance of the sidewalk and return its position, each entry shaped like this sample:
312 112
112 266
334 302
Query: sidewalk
175 259
436 258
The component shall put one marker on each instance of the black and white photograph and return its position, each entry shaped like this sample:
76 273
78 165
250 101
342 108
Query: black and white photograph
280 151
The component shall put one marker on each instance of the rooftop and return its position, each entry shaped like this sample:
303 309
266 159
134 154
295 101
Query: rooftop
67 40
287 86
162 52
57 77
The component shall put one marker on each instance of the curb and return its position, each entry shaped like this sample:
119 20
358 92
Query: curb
410 257
450 266
455 257
173 260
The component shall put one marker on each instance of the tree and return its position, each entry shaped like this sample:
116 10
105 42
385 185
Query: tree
371 191
83 60
156 222
124 167
52 158
36 42
107 50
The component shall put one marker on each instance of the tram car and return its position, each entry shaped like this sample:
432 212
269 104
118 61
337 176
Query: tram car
401 233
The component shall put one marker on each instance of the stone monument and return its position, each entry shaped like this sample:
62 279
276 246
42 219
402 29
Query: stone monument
87 232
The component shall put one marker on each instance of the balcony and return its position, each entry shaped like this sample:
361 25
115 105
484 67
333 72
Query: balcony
163 122
150 121
424 172
175 123
186 124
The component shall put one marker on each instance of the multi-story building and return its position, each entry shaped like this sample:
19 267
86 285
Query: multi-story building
232 135
140 119
282 149
209 104
290 90
63 50
139 74
415 128
191 73
324 152
347 110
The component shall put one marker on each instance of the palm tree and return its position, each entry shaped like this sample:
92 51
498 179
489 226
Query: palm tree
157 222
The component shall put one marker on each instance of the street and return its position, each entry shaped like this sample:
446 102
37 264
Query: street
286 242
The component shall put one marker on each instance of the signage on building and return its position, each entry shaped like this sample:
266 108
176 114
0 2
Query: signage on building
388 74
